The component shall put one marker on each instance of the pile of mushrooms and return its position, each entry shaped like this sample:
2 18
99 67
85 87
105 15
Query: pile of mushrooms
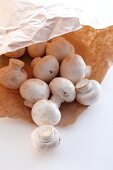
59 75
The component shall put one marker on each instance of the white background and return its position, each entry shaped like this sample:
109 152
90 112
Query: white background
85 145
98 13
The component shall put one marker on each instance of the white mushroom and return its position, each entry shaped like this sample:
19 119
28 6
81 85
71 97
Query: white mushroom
45 68
33 90
12 76
45 138
74 68
16 54
37 50
46 112
88 91
60 48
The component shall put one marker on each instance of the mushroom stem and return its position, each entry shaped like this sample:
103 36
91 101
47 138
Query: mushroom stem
16 64
88 92
57 100
88 71
28 103
45 133
45 138
84 86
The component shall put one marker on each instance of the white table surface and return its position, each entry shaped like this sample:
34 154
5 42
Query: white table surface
85 145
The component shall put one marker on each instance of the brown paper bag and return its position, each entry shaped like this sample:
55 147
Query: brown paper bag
96 48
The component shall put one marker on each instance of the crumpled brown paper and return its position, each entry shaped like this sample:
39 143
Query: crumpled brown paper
94 45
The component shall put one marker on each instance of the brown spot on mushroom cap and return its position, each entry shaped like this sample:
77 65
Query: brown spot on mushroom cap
63 88
46 68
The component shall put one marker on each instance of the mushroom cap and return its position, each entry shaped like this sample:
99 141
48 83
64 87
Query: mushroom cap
16 64
45 112
45 138
37 50
33 90
46 68
34 61
16 54
63 88
60 48
73 68
93 93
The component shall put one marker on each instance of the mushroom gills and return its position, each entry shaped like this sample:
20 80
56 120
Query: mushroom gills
45 138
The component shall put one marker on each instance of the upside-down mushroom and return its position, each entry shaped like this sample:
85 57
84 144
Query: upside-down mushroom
88 91
45 138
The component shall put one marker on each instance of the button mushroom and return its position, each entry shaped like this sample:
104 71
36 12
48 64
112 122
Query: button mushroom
60 48
88 91
16 54
12 76
74 68
37 50
45 68
45 138
46 112
33 90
